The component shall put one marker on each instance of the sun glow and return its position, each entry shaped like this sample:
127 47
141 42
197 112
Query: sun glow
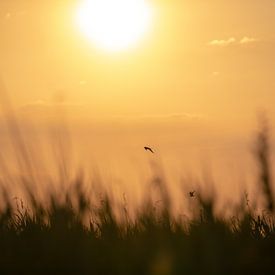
114 24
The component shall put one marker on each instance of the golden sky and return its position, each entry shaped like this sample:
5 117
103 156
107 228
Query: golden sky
210 58
203 71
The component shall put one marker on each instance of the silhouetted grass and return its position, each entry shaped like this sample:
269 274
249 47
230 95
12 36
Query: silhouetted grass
58 238
73 231
55 240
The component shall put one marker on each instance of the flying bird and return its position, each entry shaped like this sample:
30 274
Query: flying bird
192 194
149 149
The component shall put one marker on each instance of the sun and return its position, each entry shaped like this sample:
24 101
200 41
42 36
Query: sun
114 25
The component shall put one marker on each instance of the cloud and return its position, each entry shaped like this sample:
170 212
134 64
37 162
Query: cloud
232 41
172 117
216 73
179 116
222 43
47 104
8 15
82 82
45 107
42 110
246 40
38 102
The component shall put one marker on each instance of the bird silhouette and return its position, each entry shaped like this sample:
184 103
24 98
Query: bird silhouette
192 194
149 149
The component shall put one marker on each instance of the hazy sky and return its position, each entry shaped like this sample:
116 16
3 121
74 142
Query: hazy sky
210 58
190 88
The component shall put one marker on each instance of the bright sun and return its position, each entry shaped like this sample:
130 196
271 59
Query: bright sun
114 24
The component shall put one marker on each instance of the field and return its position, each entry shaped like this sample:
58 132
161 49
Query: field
73 231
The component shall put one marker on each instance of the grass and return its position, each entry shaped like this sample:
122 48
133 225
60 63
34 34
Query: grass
55 241
72 232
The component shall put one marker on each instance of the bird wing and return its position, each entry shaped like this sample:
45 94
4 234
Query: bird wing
149 149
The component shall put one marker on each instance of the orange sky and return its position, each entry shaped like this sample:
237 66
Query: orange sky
203 72
208 58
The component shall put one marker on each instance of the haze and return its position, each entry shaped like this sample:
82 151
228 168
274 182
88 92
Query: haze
191 87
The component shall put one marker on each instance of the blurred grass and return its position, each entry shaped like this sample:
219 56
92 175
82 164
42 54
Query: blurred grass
73 231
54 240
71 234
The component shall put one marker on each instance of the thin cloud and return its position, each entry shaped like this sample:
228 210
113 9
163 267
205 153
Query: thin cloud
8 15
216 73
41 110
232 41
163 117
222 43
41 105
246 40
82 82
